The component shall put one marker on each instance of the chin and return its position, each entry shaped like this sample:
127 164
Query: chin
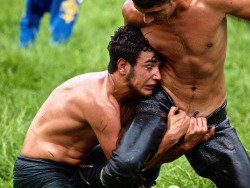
145 94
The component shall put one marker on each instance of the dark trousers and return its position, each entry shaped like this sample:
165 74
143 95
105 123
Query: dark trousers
40 173
222 159
63 14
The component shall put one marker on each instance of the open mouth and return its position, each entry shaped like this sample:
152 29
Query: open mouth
149 86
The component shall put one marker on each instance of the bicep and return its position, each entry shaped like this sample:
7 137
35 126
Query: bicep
106 127
135 147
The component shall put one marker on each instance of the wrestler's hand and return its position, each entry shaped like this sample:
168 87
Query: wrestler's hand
178 123
177 126
196 133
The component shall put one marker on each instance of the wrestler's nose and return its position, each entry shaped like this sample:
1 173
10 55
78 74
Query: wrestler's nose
148 18
157 74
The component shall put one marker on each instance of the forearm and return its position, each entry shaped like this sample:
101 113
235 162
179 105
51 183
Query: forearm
172 154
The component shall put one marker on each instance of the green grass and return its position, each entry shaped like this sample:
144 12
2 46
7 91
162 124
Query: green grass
29 75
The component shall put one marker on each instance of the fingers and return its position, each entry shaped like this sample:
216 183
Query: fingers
202 124
173 110
211 132
192 123
176 111
209 135
199 124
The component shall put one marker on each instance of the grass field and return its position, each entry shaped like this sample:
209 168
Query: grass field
27 76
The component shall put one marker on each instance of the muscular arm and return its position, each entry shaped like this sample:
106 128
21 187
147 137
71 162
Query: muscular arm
141 141
139 144
238 8
106 127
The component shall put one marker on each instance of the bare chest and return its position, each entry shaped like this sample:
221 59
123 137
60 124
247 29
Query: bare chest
190 34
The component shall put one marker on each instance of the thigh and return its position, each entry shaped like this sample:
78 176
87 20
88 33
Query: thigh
222 159
32 174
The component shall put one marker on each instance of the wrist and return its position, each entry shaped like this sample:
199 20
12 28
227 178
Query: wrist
185 147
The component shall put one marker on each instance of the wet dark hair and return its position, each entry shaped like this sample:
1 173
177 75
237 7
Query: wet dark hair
145 4
127 43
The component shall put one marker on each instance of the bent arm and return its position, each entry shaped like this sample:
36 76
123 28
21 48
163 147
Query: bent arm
138 144
106 127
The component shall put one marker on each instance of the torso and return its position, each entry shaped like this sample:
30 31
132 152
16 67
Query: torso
194 42
60 131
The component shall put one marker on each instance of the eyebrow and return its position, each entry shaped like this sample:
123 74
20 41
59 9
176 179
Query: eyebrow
152 60
152 12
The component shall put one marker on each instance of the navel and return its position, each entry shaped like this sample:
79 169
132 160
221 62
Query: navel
209 45
193 88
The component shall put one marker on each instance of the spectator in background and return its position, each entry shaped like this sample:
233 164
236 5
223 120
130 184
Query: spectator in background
63 14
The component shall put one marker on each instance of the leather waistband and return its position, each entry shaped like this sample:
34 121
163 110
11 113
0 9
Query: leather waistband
218 115
214 118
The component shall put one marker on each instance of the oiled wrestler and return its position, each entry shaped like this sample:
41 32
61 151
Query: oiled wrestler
192 35
61 147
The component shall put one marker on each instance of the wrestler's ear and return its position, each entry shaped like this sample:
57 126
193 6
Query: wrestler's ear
122 66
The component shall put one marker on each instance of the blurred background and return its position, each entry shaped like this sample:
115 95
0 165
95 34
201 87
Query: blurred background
29 75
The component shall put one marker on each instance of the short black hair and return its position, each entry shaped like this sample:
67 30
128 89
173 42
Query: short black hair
127 43
145 4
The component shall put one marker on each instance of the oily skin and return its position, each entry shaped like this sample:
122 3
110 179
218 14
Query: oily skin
192 34
85 111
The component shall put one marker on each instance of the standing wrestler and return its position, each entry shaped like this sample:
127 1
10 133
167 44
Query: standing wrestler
192 34
84 112
63 15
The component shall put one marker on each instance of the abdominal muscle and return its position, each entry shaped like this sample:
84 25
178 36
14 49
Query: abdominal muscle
197 88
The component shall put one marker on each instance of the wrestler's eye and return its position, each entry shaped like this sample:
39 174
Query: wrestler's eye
149 67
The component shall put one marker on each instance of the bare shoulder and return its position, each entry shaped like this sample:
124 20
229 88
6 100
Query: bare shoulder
92 98
80 94
131 15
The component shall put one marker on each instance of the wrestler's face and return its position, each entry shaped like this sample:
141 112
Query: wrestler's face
144 75
158 14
